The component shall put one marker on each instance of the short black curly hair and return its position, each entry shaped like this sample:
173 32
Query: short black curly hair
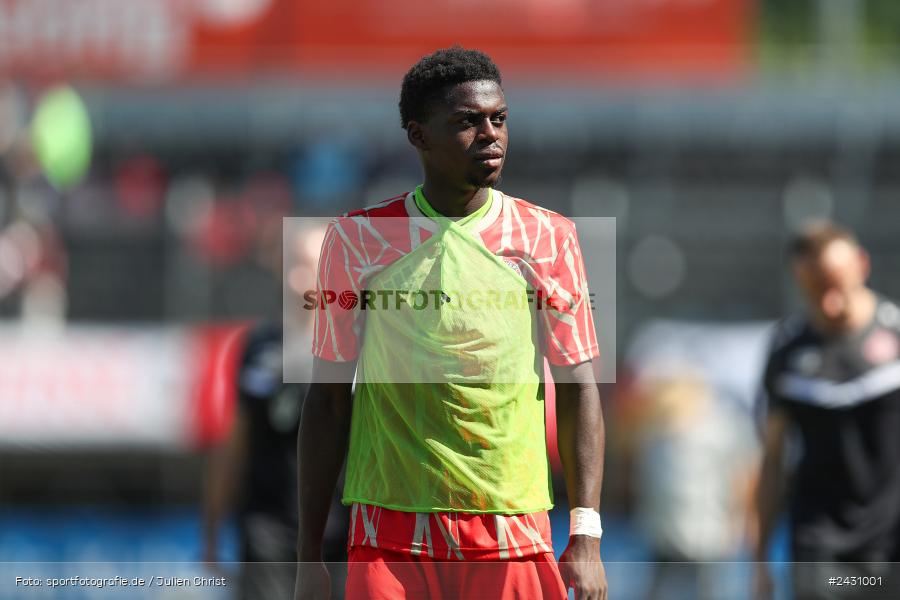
435 72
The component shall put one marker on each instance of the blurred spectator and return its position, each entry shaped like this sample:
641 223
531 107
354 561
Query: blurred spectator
833 381
252 465
33 257
694 466
254 468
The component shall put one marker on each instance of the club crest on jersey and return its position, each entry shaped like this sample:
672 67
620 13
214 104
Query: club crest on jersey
881 347
512 265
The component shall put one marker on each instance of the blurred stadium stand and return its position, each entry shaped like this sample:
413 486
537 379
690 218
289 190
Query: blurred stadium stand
733 171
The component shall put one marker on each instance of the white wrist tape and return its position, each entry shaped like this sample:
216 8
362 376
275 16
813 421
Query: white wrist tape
585 521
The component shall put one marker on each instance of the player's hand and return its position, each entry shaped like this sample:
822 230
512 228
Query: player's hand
210 554
211 560
763 587
581 568
313 581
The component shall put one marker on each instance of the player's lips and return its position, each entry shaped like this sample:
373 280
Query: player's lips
491 159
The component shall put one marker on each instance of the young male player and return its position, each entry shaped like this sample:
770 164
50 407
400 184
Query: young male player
833 378
450 297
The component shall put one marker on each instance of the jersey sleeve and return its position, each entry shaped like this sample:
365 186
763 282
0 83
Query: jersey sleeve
337 326
768 395
260 372
566 315
782 335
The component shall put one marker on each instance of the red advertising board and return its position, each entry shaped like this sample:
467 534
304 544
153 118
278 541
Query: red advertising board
166 40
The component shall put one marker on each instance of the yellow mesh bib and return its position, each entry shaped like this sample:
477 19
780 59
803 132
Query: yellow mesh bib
449 413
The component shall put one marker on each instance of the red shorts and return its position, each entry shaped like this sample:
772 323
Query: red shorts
377 574
450 535
397 555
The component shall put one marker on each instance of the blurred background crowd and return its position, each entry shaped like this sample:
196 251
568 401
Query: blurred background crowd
150 149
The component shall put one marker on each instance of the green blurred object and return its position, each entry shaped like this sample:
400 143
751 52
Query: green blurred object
61 136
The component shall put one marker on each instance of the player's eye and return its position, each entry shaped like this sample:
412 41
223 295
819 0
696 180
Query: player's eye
499 119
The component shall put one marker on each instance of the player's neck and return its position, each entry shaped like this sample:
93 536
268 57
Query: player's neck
451 202
859 316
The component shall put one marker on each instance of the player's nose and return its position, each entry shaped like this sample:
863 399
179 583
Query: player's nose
488 131
832 303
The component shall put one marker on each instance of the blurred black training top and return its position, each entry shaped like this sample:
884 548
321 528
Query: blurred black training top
271 414
842 394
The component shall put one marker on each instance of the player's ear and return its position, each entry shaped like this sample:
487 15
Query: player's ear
799 270
415 133
865 263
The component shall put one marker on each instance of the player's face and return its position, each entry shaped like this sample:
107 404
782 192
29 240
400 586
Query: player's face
465 136
830 281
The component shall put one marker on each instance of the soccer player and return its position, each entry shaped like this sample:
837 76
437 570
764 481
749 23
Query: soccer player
450 297
833 380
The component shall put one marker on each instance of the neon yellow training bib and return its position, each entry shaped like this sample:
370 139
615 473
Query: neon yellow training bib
449 407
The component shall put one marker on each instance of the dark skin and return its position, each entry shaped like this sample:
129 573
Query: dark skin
225 468
462 144
321 447
468 125
581 438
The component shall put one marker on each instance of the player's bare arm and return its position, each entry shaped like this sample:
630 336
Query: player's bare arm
225 463
321 447
581 438
769 494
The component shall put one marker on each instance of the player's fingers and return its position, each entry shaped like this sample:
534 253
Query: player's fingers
763 586
584 593
565 574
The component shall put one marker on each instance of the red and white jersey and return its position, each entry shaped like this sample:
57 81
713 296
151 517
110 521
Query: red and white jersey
539 244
